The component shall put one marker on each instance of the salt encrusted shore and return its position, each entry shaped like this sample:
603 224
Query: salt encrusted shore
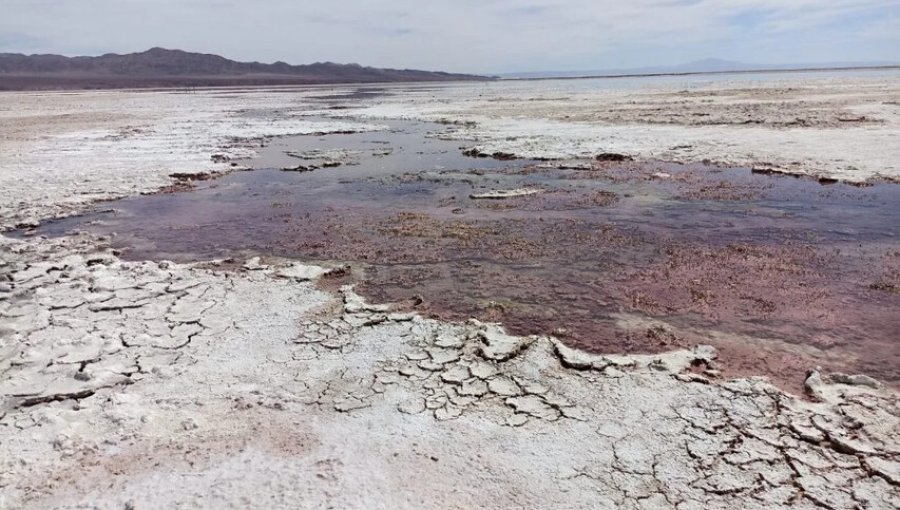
844 128
158 385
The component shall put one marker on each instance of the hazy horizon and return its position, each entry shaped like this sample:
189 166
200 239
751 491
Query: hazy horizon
486 37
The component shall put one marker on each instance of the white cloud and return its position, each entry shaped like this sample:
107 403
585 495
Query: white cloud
463 35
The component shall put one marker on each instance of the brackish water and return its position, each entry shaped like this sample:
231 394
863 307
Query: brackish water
780 273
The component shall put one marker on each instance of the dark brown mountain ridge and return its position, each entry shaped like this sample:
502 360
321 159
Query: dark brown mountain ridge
159 67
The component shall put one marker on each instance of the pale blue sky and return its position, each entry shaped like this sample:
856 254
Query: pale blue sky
485 36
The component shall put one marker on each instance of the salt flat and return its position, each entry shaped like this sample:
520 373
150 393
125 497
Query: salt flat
154 384
835 126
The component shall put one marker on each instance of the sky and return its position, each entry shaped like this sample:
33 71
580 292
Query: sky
479 36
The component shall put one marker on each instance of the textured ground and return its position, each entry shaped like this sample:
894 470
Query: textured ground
157 385
840 127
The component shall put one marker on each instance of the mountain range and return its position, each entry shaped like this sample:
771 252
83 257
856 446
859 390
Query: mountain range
159 67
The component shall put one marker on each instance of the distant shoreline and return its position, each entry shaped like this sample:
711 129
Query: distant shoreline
63 82
702 73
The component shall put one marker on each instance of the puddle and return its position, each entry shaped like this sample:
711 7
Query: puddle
781 274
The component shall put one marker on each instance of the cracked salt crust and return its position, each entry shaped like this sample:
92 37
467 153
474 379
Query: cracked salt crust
173 376
157 385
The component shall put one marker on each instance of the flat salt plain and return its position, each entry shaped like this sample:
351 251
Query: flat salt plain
245 384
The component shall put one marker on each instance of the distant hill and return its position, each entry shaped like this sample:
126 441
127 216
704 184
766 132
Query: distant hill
710 65
159 67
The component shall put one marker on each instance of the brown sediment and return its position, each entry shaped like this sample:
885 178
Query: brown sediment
185 181
501 156
612 156
722 190
335 279
889 278
783 295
